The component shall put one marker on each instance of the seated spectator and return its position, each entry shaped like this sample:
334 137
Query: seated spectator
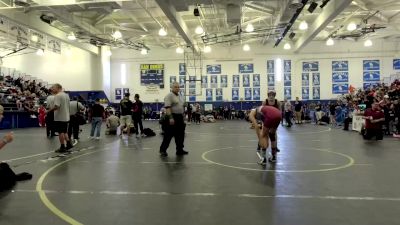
112 124
29 106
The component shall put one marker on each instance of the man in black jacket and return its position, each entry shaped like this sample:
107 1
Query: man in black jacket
137 115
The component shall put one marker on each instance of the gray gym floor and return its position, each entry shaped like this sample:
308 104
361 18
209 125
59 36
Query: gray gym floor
323 176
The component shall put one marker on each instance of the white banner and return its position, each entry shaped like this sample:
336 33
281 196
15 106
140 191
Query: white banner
20 32
53 45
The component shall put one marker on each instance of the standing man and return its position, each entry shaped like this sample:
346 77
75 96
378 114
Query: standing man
126 112
73 128
298 109
288 113
50 115
61 117
175 125
137 115
97 119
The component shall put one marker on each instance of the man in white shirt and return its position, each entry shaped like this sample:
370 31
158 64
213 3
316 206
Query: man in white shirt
61 117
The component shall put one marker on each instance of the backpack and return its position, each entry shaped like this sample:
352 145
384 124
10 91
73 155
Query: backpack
149 132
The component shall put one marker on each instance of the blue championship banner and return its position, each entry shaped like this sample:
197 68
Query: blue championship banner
256 80
235 81
305 92
396 64
182 69
340 88
214 69
209 94
246 80
246 68
247 94
256 94
270 66
235 94
340 66
371 65
224 81
287 93
311 66
338 77
218 94
204 82
151 74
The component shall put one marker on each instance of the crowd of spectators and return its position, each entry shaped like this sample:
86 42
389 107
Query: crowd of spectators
22 95
341 111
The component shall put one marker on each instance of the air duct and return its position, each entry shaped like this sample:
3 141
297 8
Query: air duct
296 4
23 3
233 14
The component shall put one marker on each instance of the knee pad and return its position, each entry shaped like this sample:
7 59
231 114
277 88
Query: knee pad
272 136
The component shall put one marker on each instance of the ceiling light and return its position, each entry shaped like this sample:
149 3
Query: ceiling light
117 34
40 52
249 28
352 26
162 32
71 36
199 30
330 42
287 46
68 52
143 51
207 49
303 25
108 53
34 38
179 50
368 43
246 47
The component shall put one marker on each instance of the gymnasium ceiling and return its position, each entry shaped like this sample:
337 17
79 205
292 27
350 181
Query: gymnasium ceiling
224 21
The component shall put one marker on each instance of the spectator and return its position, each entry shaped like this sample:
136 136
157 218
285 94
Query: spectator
97 119
126 114
137 115
112 124
75 111
298 108
288 113
373 122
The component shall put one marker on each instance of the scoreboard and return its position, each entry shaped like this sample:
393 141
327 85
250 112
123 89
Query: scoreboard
152 74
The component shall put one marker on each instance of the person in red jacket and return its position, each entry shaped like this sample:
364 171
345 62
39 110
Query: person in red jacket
374 117
42 116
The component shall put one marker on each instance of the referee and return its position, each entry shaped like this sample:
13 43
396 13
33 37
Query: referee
174 122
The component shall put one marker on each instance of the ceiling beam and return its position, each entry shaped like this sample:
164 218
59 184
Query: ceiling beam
135 20
329 12
101 18
32 21
259 9
178 23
